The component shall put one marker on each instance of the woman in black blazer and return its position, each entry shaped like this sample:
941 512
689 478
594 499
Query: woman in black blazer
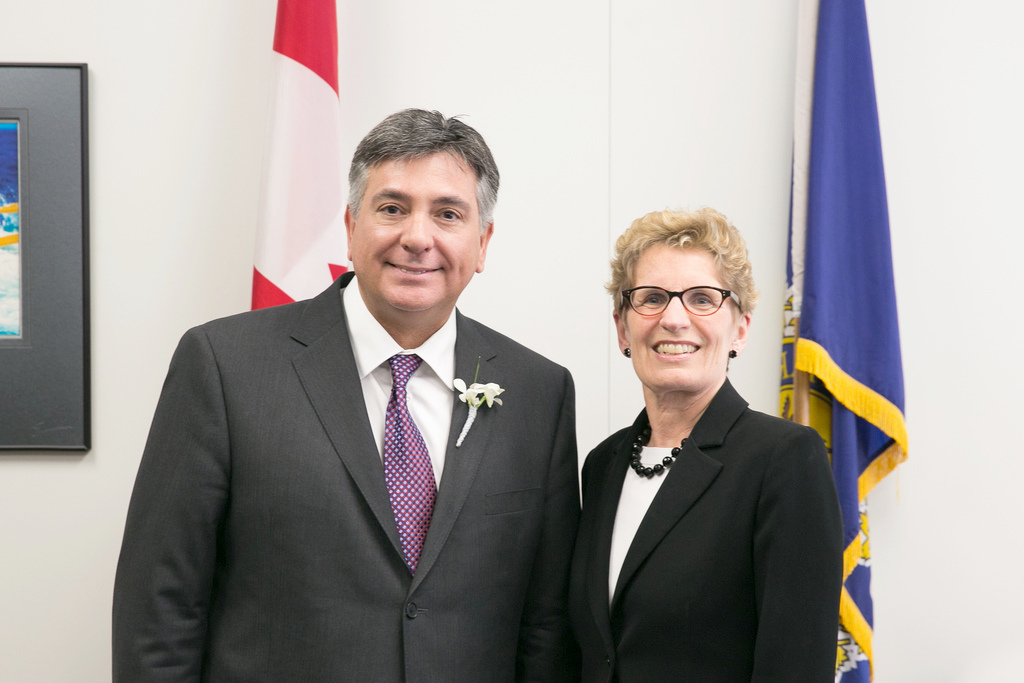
710 547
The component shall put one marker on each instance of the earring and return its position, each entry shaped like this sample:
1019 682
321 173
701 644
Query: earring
627 353
733 354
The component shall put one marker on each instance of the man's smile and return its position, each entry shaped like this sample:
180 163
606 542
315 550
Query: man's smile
414 271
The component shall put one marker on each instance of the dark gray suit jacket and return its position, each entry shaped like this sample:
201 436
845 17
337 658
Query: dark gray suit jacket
735 573
260 543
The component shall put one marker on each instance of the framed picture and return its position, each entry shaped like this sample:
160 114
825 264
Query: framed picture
44 258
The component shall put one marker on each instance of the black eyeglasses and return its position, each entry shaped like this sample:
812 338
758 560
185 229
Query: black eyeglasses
696 300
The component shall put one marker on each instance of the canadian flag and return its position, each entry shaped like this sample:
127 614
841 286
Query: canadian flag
300 234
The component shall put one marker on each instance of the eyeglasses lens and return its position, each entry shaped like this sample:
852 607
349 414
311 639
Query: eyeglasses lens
698 300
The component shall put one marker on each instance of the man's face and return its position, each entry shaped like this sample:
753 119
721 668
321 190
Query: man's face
416 242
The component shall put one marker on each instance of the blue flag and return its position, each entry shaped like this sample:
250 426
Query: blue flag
842 370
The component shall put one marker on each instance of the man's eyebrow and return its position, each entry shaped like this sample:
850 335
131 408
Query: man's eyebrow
456 202
395 195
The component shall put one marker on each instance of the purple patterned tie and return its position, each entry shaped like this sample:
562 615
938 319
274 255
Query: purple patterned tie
407 470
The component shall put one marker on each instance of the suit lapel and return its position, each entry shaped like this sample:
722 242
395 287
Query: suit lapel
606 502
460 464
327 369
690 476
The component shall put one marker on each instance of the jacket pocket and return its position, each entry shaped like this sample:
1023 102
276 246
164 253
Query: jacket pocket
513 501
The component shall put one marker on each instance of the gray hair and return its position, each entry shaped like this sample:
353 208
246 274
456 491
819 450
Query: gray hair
417 133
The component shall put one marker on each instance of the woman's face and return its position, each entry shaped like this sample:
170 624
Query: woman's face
677 354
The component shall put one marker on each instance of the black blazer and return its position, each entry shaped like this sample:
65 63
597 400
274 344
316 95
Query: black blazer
736 570
261 545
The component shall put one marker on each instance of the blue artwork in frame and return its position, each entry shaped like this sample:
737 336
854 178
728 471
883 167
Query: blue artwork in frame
10 233
44 259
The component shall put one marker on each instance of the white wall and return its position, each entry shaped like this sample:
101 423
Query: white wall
596 112
946 541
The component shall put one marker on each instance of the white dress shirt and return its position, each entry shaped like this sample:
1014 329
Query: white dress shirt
430 391
637 495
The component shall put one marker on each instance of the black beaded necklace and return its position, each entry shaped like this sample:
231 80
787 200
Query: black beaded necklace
638 448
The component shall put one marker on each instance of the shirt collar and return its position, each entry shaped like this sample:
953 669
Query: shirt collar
372 346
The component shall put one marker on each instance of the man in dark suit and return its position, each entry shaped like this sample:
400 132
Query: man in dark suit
303 511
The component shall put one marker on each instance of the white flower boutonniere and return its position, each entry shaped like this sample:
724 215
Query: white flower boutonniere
474 396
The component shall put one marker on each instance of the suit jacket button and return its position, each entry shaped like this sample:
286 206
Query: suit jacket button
410 610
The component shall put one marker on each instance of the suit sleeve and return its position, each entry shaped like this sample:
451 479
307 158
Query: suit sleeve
165 570
547 650
798 564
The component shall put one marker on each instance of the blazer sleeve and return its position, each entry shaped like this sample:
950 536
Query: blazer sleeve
798 564
165 571
547 650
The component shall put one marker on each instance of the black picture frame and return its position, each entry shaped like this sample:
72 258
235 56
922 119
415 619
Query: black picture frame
45 369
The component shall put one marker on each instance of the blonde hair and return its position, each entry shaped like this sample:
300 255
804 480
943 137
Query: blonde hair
704 229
